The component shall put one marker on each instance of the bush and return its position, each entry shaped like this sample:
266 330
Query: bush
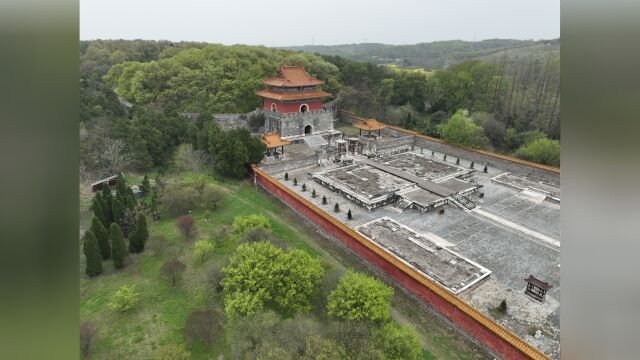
336 208
304 187
541 151
243 224
349 216
124 299
295 181
360 297
203 325
286 176
87 335
313 193
324 200
203 249
399 343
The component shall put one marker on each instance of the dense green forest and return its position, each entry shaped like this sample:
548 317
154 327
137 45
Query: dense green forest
434 55
133 91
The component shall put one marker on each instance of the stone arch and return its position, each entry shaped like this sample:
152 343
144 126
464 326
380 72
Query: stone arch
308 130
304 108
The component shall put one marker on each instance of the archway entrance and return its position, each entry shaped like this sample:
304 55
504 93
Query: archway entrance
304 108
273 107
308 129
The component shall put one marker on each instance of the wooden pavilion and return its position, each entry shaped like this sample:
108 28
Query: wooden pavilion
274 141
370 125
537 289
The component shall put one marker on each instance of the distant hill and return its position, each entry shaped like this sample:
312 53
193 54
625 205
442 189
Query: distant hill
435 55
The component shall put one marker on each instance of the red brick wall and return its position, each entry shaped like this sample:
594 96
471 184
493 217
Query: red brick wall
293 106
471 326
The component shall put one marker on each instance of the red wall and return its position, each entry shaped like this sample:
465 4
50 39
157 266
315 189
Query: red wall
467 323
293 106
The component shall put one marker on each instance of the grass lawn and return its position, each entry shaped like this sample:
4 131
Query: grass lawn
160 314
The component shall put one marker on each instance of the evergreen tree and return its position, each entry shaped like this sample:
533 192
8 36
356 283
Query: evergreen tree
445 157
349 216
145 187
336 208
485 169
98 211
472 165
140 235
324 200
295 181
102 237
117 210
304 187
286 176
107 199
92 253
458 161
119 249
121 187
131 201
313 193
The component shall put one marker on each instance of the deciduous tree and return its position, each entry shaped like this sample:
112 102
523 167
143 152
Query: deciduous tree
360 297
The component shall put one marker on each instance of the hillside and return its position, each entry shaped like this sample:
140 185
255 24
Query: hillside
435 55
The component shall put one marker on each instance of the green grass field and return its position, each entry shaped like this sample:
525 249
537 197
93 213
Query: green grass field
159 317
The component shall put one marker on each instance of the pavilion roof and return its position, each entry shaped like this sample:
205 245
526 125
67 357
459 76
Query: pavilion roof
292 95
539 283
370 125
273 140
292 76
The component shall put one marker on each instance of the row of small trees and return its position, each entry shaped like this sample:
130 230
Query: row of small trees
117 213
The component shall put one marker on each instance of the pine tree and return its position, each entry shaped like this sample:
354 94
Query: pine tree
458 161
98 211
286 176
117 210
304 187
313 193
433 152
121 187
295 181
92 253
349 216
485 169
131 199
119 249
472 164
102 237
107 199
324 200
445 157
145 186
140 235
336 208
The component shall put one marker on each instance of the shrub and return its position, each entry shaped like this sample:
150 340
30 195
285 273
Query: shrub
336 208
203 325
304 187
360 297
502 308
458 161
87 335
286 176
243 224
324 200
295 181
473 164
124 299
313 193
203 249
542 151
172 270
349 216
186 225
485 169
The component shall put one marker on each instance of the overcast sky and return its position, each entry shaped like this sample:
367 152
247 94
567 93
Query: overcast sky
321 22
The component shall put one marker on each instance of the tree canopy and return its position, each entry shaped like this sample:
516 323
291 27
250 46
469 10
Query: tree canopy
360 297
260 274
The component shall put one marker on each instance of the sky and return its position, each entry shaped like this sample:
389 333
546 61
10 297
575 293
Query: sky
319 22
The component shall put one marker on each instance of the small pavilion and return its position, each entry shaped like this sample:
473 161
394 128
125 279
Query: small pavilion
370 125
273 141
537 289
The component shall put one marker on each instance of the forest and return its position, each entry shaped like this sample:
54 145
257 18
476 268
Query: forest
132 94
